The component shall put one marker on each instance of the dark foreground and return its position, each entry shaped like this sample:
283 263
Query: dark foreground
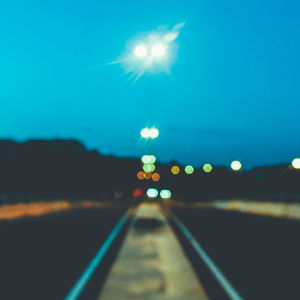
41 258
259 255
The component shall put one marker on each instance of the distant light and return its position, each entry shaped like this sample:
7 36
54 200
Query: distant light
158 50
145 159
152 159
236 165
148 175
137 192
296 163
141 175
189 170
145 133
207 168
148 168
155 177
148 159
153 134
140 51
152 193
165 194
175 170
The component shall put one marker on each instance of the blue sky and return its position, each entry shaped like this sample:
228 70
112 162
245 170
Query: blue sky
233 92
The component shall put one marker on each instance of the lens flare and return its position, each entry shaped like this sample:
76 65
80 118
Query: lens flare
236 165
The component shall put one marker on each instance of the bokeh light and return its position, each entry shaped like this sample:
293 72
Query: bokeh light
148 175
153 133
140 51
148 159
137 192
158 50
175 170
236 165
155 177
189 170
296 163
141 175
148 168
207 168
152 193
145 133
165 194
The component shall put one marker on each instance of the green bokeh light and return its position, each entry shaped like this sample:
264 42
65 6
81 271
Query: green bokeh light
149 168
189 170
207 168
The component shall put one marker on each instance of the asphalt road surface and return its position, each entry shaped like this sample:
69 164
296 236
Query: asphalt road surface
259 255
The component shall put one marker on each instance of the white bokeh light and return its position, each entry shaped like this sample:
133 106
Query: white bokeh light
296 163
153 133
236 165
158 50
140 51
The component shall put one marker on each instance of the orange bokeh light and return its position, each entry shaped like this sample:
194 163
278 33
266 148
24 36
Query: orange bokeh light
141 175
148 175
155 177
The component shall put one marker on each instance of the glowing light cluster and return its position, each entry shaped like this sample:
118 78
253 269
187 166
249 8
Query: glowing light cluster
189 169
153 193
236 165
149 133
156 50
207 168
175 170
296 163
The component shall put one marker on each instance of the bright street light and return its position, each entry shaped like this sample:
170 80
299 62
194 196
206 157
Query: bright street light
149 133
158 50
140 51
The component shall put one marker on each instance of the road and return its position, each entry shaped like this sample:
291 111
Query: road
259 255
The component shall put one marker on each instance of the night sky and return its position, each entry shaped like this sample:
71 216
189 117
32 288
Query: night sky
233 91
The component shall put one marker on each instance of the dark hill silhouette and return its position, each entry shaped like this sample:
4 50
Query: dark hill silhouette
65 168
